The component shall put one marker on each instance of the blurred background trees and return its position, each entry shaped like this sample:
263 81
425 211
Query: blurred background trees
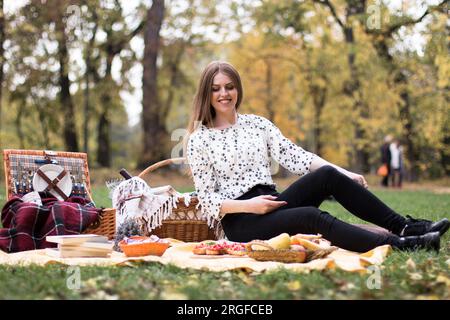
116 78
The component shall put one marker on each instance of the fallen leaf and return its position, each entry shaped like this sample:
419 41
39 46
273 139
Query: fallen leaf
415 276
410 265
443 279
427 297
348 286
91 282
192 280
102 295
294 285
173 295
246 278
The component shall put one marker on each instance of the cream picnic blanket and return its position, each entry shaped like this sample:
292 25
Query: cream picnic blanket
180 255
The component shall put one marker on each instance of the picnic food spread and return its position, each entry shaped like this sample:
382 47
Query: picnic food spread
280 242
219 248
282 248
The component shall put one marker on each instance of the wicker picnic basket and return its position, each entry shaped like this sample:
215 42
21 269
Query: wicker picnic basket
20 165
185 223
271 254
285 256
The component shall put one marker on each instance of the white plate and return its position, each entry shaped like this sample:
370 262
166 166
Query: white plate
52 171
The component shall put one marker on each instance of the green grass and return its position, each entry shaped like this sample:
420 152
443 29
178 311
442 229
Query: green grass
404 275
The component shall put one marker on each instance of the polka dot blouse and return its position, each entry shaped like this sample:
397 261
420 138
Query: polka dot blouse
226 163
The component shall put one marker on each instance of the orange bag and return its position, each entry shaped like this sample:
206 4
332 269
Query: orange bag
382 171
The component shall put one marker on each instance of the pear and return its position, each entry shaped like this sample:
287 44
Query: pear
280 242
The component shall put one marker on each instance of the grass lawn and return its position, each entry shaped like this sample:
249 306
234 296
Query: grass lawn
404 275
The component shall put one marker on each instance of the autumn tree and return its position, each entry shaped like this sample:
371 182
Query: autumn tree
154 135
382 40
174 35
111 21
38 74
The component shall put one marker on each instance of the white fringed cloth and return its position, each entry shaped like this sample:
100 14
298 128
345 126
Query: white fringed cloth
134 199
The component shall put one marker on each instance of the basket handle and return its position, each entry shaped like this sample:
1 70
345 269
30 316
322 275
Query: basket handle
160 164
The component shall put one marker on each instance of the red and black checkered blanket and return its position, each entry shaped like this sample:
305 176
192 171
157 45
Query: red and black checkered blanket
25 224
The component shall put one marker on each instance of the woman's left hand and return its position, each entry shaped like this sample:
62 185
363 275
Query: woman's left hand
358 179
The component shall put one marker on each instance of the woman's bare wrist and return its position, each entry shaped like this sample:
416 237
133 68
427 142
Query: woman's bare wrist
233 206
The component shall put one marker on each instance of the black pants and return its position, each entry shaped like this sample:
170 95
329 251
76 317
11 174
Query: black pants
301 214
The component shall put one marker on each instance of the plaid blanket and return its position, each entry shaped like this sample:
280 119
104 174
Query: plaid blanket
26 224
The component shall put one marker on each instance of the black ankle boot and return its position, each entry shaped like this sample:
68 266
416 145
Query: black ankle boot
416 227
428 241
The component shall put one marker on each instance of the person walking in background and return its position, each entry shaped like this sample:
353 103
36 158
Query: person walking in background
396 173
386 159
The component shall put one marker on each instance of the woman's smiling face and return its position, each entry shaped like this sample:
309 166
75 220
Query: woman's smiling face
223 94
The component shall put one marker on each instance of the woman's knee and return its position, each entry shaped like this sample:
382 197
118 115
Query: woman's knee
327 170
327 174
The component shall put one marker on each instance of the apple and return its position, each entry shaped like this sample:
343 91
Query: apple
280 242
297 247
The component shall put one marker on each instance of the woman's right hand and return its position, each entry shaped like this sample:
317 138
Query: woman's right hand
263 204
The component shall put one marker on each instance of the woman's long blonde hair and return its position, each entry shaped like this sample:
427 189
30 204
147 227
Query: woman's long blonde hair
203 112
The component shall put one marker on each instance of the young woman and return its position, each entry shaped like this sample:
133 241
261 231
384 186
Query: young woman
228 154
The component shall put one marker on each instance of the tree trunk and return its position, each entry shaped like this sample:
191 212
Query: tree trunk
18 123
319 97
174 67
104 143
352 90
445 153
112 47
69 127
354 9
2 39
86 114
155 137
87 77
269 93
280 171
412 153
104 124
44 126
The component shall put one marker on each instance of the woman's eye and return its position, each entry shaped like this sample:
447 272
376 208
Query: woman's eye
228 87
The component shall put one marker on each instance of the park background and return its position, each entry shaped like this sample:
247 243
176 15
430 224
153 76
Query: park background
116 79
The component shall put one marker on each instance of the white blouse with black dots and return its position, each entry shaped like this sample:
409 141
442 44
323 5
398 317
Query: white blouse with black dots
226 163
